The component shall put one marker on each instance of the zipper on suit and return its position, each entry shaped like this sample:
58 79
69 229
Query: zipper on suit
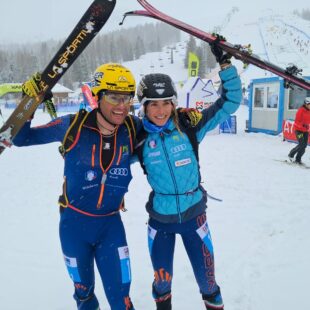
172 175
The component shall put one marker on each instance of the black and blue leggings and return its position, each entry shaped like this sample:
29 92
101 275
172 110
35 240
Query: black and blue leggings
86 240
198 244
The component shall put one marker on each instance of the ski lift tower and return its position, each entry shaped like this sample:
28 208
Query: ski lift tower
171 53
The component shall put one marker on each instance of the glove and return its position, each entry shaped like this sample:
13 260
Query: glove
221 56
48 102
188 117
31 87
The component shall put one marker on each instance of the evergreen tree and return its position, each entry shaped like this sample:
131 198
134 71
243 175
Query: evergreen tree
210 61
116 46
190 47
201 54
139 48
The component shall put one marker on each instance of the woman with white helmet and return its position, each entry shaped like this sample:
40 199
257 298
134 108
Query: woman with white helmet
168 152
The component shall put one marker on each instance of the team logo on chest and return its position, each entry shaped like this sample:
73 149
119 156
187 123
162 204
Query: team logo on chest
125 150
152 144
106 146
119 172
178 148
90 175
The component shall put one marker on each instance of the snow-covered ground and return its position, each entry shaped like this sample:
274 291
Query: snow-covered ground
260 230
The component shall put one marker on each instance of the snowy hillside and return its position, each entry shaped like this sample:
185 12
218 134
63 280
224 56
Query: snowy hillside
280 39
161 62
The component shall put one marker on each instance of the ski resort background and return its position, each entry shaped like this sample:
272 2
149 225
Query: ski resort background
276 38
261 228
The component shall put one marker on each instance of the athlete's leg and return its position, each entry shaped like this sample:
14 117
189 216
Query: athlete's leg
198 244
303 141
299 147
161 247
112 259
79 259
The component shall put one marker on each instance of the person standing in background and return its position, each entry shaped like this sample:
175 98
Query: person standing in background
301 128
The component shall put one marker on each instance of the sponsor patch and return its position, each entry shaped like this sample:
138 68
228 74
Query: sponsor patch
152 144
106 146
72 268
89 186
97 78
119 172
155 162
123 253
151 237
154 154
183 162
90 175
176 138
125 150
205 236
178 148
122 79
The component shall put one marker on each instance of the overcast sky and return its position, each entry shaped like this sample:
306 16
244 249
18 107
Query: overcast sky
39 20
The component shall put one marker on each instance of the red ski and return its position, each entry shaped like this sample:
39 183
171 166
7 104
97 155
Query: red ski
290 74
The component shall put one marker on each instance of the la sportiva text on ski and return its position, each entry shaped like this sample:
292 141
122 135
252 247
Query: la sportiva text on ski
83 33
290 74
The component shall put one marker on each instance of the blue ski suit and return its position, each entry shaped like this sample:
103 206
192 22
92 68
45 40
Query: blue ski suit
90 226
177 202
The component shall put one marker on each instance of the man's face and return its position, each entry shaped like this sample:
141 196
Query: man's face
115 106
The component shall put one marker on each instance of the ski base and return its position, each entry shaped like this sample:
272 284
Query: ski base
285 161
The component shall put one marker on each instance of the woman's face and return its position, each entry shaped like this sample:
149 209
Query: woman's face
159 112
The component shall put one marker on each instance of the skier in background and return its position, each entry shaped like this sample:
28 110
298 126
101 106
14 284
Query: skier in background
301 128
97 147
168 152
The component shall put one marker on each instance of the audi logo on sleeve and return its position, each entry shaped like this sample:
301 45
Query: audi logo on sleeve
119 171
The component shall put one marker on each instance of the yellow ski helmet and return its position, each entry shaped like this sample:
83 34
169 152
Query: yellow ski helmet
113 77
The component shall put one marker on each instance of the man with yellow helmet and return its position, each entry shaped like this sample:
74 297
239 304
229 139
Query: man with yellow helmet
96 147
113 84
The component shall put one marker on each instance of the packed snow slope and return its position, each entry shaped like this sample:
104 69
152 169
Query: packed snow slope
278 38
283 39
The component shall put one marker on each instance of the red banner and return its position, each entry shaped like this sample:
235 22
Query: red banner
288 132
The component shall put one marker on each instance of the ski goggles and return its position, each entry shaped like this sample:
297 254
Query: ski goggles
116 99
